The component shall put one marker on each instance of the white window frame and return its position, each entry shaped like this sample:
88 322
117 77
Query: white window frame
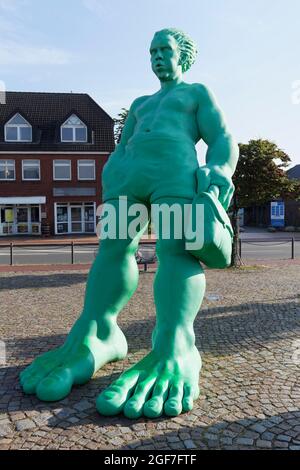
26 162
73 127
69 205
58 163
14 163
81 163
18 126
12 227
95 217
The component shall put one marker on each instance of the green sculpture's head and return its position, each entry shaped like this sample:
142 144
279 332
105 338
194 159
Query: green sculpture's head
171 51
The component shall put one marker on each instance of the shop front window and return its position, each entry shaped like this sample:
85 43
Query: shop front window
62 219
89 216
75 218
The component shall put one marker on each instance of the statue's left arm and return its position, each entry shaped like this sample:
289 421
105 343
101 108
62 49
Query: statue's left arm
222 153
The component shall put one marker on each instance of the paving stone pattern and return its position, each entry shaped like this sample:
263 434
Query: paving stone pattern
248 335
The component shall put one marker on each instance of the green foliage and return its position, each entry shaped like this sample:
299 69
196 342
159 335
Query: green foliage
294 190
119 124
260 176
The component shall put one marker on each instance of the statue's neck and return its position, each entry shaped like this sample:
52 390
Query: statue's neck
169 84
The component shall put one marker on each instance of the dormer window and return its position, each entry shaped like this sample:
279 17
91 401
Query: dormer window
17 129
73 130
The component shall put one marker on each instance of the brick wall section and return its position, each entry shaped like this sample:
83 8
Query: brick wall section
45 186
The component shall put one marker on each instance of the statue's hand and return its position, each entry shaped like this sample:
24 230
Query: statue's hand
214 175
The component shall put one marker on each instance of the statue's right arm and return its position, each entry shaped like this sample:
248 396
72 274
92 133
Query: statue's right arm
129 126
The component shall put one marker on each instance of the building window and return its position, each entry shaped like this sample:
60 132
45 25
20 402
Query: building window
17 129
73 130
20 219
62 225
86 169
31 170
62 169
75 218
7 170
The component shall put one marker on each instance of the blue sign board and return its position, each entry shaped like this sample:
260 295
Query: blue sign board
277 214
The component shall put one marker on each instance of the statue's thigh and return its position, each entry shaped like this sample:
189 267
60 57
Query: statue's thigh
169 215
122 223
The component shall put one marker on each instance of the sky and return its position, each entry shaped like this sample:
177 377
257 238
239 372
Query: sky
248 55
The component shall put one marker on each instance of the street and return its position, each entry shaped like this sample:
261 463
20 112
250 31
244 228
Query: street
271 249
48 255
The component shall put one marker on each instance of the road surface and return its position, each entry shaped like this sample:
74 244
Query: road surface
272 249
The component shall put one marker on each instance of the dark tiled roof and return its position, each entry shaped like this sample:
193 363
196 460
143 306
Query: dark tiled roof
294 172
47 111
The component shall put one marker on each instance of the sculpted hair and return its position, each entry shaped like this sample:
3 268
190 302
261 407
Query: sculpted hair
188 48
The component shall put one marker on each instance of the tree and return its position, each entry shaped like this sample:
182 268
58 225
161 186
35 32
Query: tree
119 124
260 177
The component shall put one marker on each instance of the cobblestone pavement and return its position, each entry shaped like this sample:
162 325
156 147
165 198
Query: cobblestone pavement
247 332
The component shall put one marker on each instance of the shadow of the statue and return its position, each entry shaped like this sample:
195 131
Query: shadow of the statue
219 331
275 431
25 281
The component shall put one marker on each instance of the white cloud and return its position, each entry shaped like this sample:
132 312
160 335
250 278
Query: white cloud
11 5
13 53
112 103
15 49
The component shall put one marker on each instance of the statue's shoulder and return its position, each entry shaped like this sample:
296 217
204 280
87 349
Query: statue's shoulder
204 94
138 101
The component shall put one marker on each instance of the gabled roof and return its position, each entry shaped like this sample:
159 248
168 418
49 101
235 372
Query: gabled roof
294 172
47 111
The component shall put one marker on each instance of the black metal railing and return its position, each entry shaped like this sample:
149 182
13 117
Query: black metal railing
271 242
145 254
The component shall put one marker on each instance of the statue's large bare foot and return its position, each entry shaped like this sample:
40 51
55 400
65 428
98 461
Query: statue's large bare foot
154 386
52 374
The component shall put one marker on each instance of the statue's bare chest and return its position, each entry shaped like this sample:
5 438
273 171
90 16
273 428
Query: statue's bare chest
176 101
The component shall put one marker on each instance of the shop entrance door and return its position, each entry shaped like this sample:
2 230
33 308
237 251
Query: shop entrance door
76 219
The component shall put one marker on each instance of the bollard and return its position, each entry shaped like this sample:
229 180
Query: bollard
72 252
240 248
11 254
293 248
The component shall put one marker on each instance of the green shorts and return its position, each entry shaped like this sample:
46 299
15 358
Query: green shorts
151 168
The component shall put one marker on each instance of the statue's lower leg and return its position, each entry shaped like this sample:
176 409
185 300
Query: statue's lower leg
95 338
166 380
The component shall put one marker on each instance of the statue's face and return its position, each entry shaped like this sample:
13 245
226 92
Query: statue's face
165 56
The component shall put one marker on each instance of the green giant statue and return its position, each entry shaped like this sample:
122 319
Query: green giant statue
154 163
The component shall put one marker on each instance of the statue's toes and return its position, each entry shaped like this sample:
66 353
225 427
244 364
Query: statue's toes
154 407
191 393
173 405
33 375
112 400
30 383
56 386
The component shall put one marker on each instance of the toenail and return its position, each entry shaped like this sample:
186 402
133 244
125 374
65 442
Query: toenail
132 404
173 403
154 401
